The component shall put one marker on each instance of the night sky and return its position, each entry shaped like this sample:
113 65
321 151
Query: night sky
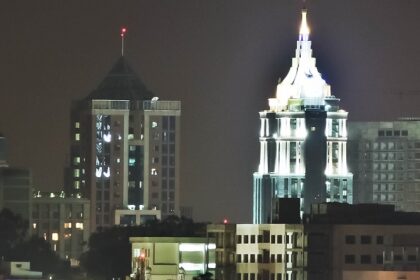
222 59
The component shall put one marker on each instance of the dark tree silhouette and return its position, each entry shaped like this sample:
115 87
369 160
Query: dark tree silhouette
109 253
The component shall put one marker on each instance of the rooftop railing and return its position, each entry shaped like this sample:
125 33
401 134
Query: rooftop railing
161 105
111 104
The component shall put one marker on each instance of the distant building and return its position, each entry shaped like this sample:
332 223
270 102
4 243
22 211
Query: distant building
181 258
3 156
15 186
385 159
63 222
16 191
125 149
303 140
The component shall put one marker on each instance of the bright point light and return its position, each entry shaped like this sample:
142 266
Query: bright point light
188 247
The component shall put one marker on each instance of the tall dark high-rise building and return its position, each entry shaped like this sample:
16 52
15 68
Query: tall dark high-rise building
302 140
125 151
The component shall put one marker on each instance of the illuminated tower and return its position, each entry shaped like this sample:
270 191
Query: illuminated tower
125 151
302 140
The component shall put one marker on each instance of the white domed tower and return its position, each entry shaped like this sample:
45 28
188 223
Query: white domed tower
303 140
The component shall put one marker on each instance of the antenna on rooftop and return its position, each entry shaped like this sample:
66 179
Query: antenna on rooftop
123 31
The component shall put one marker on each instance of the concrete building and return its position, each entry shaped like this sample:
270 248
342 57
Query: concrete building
269 251
385 159
224 236
125 149
172 258
63 222
362 241
303 140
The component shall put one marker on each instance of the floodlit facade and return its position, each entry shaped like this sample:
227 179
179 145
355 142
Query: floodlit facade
303 140
62 221
385 159
172 258
125 149
269 251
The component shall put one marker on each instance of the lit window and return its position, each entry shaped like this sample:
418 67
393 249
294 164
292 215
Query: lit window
67 225
118 160
153 171
79 225
77 136
76 173
76 160
77 125
45 236
54 236
34 225
76 185
154 124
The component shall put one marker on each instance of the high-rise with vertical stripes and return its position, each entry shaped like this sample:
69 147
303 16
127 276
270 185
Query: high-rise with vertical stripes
303 140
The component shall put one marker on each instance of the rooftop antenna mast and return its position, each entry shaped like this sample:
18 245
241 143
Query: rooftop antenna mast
123 31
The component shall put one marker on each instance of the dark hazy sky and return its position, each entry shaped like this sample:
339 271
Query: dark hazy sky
221 58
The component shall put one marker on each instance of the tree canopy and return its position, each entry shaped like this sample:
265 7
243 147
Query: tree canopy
109 253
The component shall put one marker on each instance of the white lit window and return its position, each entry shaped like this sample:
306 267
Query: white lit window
54 236
76 185
45 236
77 125
76 160
154 124
77 137
118 160
79 225
67 225
130 136
76 173
34 225
153 171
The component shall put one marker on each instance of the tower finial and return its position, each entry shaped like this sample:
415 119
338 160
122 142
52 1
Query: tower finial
123 31
304 29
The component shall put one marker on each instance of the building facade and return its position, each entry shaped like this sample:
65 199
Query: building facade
224 236
125 149
303 140
174 258
62 221
270 252
385 160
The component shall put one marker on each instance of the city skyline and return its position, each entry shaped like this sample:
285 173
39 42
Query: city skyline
220 59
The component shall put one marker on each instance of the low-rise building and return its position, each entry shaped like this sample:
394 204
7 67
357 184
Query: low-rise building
224 236
62 221
172 258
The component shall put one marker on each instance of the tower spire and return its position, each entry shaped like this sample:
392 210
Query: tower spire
304 28
123 31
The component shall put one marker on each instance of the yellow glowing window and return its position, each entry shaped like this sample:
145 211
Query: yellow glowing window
54 236
67 225
79 225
